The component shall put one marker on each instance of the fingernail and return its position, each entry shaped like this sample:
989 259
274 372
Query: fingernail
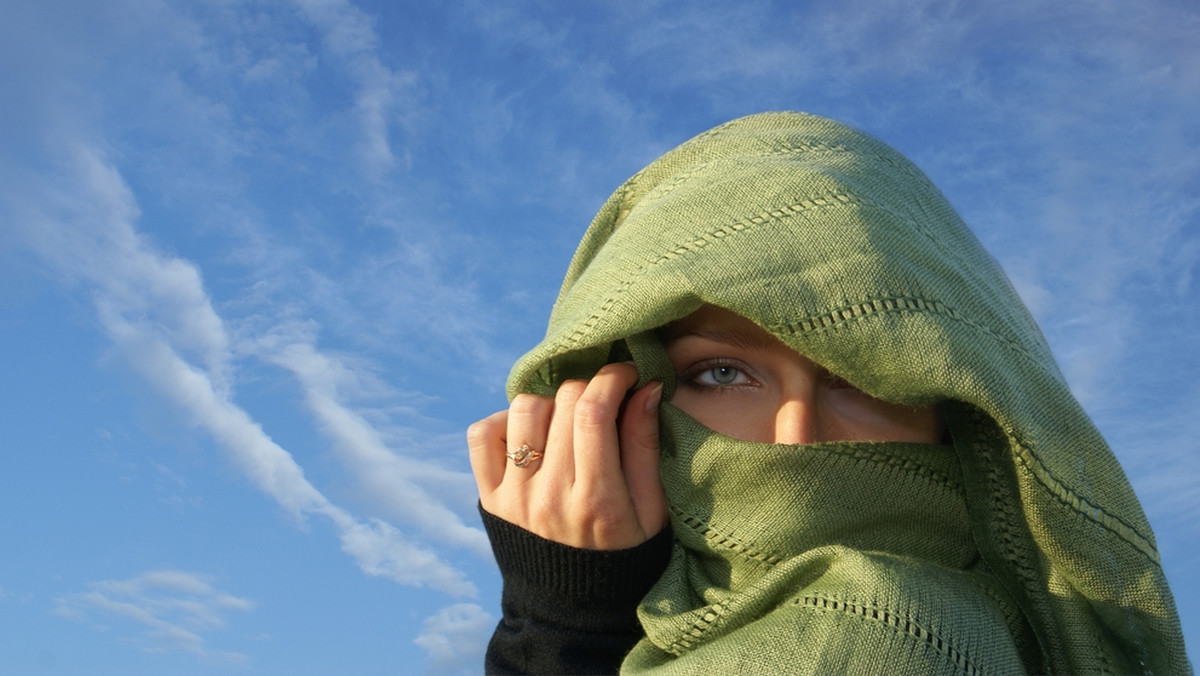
654 398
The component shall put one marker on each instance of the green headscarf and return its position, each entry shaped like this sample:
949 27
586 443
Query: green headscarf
1023 547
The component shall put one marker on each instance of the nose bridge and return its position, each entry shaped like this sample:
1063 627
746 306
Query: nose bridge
796 421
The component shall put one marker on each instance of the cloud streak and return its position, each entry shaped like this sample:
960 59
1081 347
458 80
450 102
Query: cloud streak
155 310
175 609
349 35
399 483
455 638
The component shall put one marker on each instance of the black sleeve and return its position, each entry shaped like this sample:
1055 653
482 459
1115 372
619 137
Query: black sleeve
568 610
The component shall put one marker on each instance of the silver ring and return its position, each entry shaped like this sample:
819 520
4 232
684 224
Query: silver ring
524 455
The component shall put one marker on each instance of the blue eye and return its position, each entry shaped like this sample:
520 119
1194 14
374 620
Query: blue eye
724 375
721 375
717 375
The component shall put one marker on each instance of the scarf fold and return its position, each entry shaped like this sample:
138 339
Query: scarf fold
826 558
843 250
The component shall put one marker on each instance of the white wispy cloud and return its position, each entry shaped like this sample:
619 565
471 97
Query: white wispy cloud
155 310
402 484
349 34
425 297
175 610
528 138
455 638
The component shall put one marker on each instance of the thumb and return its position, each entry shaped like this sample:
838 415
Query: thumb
639 458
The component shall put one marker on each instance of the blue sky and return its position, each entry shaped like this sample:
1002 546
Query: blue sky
261 263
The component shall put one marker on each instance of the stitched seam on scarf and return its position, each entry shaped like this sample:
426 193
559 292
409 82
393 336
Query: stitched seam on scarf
665 188
703 624
951 253
1005 604
724 540
859 310
855 311
623 206
943 245
897 622
1009 532
1064 495
909 467
701 241
1082 506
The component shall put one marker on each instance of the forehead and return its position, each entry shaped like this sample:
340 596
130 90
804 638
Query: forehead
724 326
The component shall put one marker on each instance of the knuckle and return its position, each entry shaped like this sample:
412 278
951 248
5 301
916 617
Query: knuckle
608 518
545 509
599 503
481 431
570 391
617 368
610 535
624 373
593 412
529 405
640 440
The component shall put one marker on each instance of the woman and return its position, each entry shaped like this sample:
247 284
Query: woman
847 448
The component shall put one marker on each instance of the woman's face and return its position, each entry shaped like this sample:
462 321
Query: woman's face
736 379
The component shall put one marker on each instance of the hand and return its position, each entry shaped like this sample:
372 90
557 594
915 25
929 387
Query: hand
596 487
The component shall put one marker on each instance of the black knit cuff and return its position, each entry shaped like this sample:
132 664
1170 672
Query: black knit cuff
553 581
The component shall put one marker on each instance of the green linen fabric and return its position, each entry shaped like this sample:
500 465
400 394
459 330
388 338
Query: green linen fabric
1022 548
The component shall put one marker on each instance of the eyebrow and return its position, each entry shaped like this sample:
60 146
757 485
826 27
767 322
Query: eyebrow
745 340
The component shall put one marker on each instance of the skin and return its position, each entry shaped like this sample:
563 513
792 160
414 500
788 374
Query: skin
597 485
735 378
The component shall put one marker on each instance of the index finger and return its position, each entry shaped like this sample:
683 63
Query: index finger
597 446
